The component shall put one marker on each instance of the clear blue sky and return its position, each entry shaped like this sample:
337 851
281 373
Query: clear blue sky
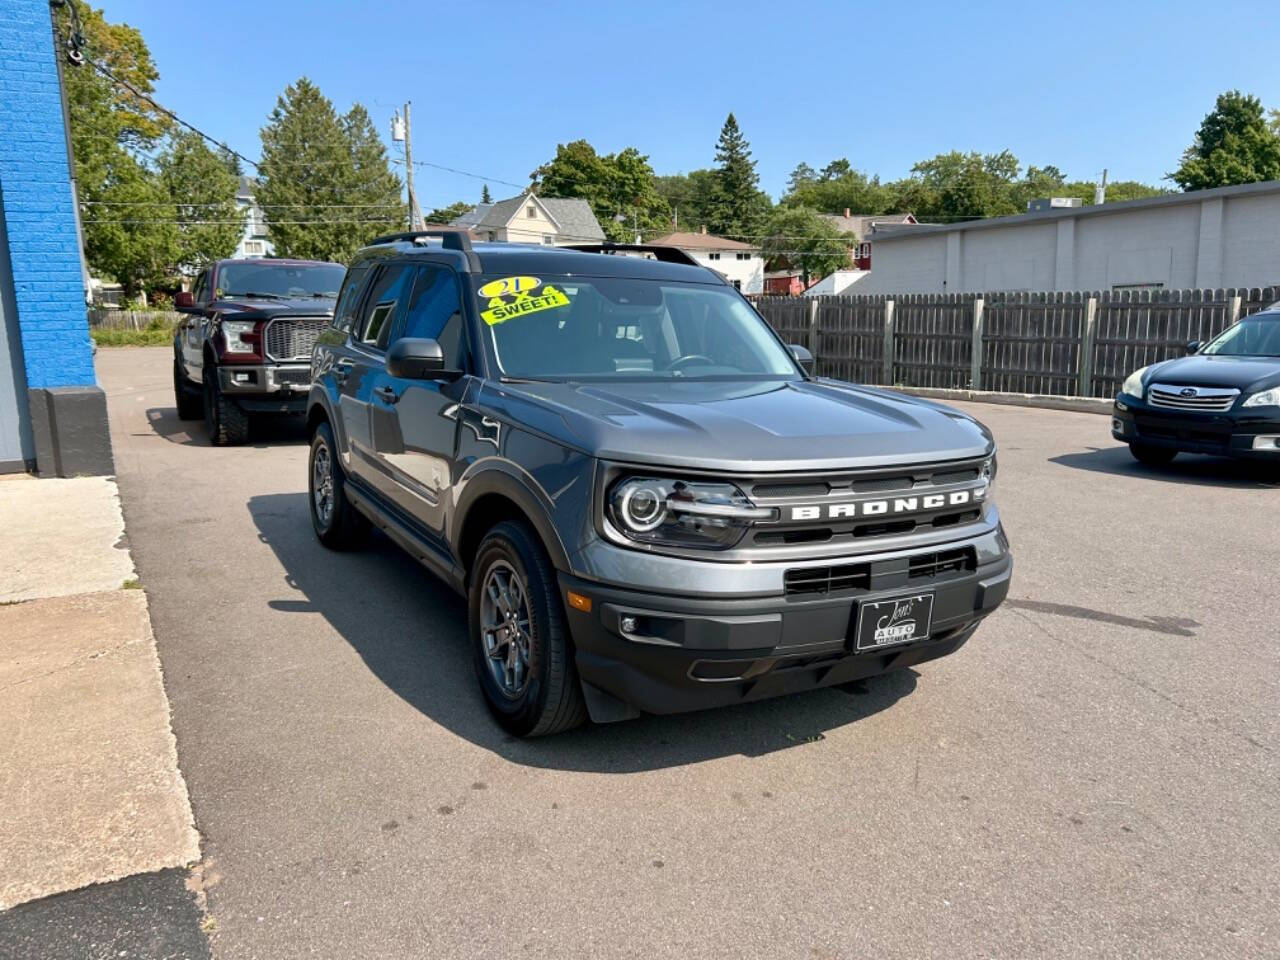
495 86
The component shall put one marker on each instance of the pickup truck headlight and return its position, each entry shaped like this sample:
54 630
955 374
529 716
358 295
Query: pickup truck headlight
1266 398
682 513
1133 384
238 336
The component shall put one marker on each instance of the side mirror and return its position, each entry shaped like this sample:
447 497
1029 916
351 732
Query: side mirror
1194 346
413 358
184 302
803 357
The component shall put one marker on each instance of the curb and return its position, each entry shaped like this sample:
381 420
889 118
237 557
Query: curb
1044 401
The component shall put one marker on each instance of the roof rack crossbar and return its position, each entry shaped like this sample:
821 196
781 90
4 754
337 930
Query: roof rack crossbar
664 253
451 238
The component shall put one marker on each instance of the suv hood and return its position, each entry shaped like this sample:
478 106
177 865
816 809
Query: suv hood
296 307
1249 374
743 427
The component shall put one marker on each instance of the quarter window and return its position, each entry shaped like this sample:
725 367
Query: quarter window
349 297
390 291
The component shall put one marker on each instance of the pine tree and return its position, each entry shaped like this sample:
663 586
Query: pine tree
324 181
738 208
202 185
485 196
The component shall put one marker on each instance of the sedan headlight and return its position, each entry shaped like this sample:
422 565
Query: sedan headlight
682 513
238 336
1133 385
1267 398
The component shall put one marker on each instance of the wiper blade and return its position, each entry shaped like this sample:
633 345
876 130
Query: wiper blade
258 296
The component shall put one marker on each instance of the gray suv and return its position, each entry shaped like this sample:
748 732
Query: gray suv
648 500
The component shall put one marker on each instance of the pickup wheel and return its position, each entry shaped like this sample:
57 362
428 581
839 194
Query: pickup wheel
226 422
520 644
1155 456
337 524
186 397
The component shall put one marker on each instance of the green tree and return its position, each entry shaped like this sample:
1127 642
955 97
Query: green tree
956 186
738 208
446 215
1235 144
837 188
614 185
800 238
324 180
485 196
690 197
139 248
201 186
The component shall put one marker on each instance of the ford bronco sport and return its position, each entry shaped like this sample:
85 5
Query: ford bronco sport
647 500
245 345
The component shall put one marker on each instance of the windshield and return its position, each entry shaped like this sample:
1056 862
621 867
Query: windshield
1251 337
574 328
279 280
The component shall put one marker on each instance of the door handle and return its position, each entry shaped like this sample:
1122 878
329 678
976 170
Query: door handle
387 393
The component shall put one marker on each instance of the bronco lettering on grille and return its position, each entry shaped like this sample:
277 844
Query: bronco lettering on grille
891 506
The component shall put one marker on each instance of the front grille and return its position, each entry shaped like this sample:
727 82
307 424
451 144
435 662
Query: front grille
847 576
917 571
932 566
1204 399
292 338
299 375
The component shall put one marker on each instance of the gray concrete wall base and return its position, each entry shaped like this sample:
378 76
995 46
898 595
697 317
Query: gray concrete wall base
69 426
1044 401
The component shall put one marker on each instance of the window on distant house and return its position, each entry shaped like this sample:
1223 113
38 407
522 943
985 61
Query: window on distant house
532 212
548 240
737 284
253 246
713 256
744 256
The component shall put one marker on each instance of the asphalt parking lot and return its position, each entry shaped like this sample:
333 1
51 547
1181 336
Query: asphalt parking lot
1094 775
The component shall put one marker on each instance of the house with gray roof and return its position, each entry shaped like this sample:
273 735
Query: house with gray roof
529 218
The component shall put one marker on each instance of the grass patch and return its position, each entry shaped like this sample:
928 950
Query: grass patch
155 334
133 583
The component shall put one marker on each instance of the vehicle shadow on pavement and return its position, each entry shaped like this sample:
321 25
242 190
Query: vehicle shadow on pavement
410 630
263 430
1187 468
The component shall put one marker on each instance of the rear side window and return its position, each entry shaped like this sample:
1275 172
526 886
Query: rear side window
349 297
386 301
435 313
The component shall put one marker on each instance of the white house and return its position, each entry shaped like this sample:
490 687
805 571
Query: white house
529 218
254 242
740 263
838 283
1226 237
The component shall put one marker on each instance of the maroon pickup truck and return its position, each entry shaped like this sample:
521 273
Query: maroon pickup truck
245 346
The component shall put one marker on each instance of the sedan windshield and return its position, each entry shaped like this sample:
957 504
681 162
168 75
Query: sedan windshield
279 280
576 328
1251 337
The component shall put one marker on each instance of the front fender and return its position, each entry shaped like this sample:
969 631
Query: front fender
494 475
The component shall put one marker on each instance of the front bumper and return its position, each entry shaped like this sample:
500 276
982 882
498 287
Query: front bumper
267 388
691 652
1232 433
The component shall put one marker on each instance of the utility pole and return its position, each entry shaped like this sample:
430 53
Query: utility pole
401 130
1100 191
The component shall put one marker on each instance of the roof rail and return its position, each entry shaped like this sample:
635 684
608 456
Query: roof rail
663 253
451 238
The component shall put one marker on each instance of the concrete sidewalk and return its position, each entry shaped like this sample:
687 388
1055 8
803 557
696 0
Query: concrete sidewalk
89 784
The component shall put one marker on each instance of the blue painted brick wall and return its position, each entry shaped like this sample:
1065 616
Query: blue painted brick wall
35 190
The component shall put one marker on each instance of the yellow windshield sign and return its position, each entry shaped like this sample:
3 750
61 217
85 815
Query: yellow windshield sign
513 297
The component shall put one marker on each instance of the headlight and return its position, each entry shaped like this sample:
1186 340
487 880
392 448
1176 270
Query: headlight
681 513
1133 385
238 336
1267 398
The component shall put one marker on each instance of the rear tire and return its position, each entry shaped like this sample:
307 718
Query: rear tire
1155 456
186 397
338 525
227 423
520 643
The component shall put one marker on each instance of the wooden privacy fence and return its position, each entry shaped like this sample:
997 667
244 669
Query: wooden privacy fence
107 319
1060 343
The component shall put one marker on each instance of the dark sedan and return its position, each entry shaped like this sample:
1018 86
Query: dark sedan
1223 399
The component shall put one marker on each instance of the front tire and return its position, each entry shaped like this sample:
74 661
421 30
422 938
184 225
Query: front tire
226 422
520 643
1154 456
338 525
186 398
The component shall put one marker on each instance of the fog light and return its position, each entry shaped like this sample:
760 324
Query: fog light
1117 425
628 624
240 377
1267 442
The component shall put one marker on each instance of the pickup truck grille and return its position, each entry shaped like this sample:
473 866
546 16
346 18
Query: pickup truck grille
1208 399
292 338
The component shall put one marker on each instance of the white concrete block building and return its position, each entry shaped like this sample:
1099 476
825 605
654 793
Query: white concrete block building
1227 237
740 263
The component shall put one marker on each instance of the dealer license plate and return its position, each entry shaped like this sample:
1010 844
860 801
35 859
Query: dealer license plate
887 623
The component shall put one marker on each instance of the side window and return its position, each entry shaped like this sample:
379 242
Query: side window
386 301
349 297
200 292
435 312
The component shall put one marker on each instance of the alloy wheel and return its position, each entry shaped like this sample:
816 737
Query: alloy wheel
505 628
